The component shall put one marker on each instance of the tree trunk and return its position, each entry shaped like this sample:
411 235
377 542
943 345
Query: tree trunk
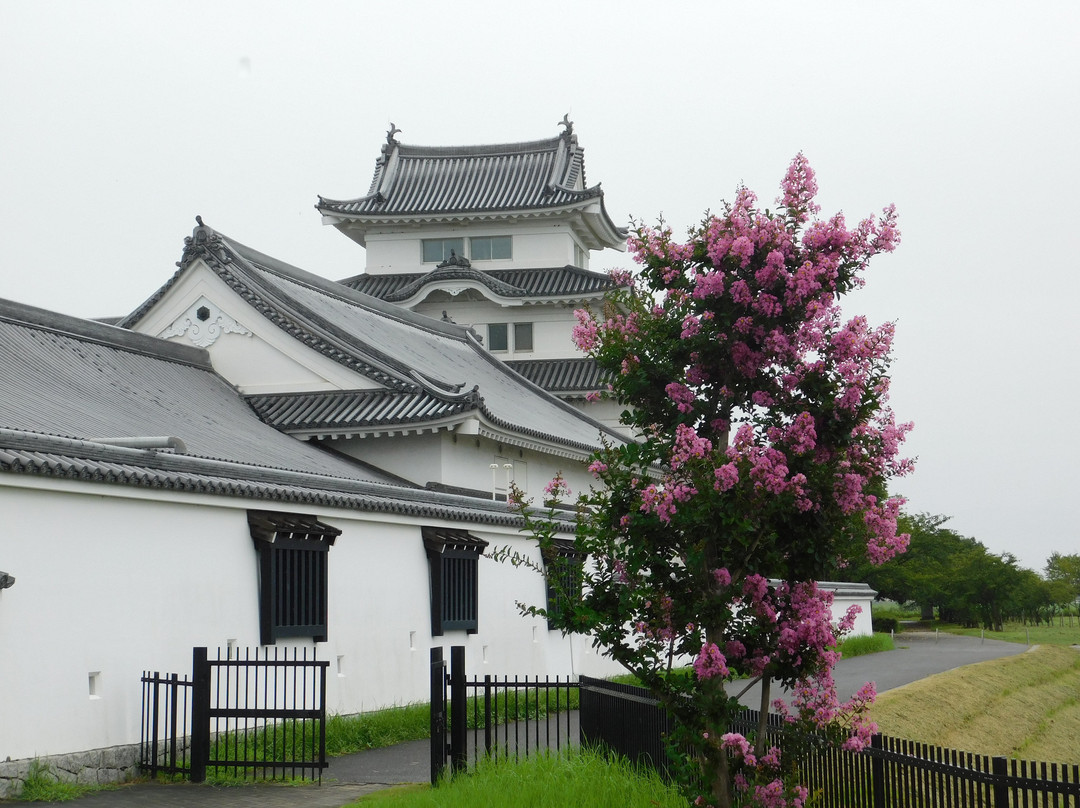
763 719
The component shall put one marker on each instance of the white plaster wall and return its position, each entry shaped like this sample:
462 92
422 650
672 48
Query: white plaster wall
116 585
536 244
863 623
110 586
552 324
464 461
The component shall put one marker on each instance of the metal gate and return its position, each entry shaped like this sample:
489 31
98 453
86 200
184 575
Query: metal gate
261 716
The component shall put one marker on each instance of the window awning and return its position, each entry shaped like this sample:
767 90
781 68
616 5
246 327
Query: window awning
269 525
441 539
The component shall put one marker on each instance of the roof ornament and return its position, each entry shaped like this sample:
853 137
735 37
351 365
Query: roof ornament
388 146
201 238
455 260
202 233
569 124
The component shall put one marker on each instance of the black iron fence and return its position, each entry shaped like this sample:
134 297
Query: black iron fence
891 773
496 716
166 721
261 716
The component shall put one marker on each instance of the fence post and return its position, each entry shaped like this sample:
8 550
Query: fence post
487 714
1000 767
438 715
458 709
877 771
200 714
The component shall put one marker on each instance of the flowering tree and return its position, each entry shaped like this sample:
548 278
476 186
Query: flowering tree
766 445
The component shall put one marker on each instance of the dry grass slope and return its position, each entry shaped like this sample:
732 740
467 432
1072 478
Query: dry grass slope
1025 707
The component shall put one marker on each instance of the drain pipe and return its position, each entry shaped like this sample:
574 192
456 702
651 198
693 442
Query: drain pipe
162 442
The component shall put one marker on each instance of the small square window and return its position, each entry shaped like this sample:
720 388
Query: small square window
498 337
293 551
489 248
437 250
453 560
523 336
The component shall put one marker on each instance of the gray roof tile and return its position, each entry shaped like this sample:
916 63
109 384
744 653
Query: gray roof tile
63 458
80 379
433 181
335 411
543 283
561 376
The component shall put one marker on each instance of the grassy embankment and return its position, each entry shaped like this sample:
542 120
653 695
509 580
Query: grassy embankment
1026 707
1057 634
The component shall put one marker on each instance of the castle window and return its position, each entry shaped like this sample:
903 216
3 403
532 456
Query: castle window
453 558
563 570
293 551
499 336
490 248
523 336
437 250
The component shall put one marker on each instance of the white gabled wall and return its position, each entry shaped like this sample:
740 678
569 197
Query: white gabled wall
265 359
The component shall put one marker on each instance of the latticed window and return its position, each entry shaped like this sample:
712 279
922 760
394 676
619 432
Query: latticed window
453 558
563 570
293 551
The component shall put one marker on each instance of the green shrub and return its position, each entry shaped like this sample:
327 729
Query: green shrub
884 625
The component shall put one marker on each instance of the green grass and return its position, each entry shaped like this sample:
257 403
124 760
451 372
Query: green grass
347 734
1025 706
43 785
863 644
1068 634
581 779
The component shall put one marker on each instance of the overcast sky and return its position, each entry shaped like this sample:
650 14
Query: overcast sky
120 121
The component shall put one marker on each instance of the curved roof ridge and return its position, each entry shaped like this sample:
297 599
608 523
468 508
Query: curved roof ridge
519 147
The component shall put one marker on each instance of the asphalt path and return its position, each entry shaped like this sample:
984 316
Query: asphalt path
917 656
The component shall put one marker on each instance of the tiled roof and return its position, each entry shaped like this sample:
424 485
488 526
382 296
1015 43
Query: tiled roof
398 349
337 411
439 181
81 379
63 458
68 381
560 375
553 282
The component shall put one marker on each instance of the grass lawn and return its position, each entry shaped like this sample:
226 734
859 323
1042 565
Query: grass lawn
578 779
1026 707
1068 634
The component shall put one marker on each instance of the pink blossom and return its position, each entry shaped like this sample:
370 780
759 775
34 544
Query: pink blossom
682 395
710 662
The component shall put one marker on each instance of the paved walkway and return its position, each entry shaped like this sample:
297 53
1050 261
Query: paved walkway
917 656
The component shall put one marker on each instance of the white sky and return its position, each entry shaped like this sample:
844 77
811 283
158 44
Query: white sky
120 121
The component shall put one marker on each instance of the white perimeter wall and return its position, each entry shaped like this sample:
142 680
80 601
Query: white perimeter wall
112 585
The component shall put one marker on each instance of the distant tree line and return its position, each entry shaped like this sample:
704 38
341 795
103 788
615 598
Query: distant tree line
966 583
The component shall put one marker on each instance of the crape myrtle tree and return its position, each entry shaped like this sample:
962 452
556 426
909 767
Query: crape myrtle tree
766 443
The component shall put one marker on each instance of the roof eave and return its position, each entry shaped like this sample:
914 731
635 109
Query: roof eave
597 230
